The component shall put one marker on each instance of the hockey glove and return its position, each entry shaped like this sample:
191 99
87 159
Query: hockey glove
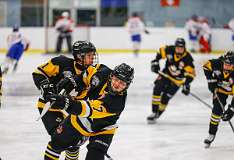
228 114
186 89
155 66
146 31
68 83
59 101
212 86
46 88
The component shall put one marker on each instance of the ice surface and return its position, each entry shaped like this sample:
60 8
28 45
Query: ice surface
178 134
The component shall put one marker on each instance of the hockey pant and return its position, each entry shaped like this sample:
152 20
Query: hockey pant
217 112
136 42
51 121
98 146
65 137
163 91
60 38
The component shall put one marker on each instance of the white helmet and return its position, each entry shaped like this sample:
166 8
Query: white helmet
65 14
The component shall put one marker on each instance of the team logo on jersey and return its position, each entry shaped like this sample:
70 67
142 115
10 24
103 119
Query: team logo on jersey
95 81
59 129
181 65
216 73
230 80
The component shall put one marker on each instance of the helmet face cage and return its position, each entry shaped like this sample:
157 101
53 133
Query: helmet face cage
124 72
180 46
81 48
228 60
180 42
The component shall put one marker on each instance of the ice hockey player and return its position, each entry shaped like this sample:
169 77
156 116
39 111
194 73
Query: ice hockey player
178 71
49 77
17 44
135 27
94 119
192 26
64 26
220 77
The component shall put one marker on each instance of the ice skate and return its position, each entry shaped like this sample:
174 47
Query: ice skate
209 140
151 119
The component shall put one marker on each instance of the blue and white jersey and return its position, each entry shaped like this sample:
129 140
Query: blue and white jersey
135 26
17 44
13 38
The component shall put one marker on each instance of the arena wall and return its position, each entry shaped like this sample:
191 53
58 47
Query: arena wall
114 39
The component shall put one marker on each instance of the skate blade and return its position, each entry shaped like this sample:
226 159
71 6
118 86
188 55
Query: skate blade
151 121
207 146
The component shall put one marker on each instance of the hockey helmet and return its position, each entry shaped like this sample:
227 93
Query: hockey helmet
180 42
123 72
15 28
228 60
229 57
81 48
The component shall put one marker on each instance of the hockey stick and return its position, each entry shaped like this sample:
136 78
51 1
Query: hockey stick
47 107
221 104
108 156
199 99
178 83
67 74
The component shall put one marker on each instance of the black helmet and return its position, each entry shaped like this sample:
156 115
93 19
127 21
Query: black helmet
80 48
228 57
180 42
124 72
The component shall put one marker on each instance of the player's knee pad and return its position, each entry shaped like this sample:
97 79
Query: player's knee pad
95 153
98 146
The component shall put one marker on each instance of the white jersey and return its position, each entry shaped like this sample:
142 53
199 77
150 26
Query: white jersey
16 37
192 26
135 26
13 38
65 25
231 25
205 30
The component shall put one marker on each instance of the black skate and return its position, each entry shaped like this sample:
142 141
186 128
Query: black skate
209 140
151 119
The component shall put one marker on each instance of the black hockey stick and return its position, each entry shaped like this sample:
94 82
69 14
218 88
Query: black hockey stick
221 104
199 99
109 157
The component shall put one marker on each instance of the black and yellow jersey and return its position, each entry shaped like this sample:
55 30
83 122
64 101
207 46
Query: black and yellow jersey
215 73
179 68
93 80
53 70
100 110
